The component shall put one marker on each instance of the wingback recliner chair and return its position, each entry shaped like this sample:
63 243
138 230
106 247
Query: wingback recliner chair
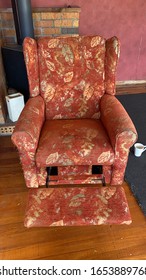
72 122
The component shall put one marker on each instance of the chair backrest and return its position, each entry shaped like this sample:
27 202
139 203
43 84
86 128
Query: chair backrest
71 73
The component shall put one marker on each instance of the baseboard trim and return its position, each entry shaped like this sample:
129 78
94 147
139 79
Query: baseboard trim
130 87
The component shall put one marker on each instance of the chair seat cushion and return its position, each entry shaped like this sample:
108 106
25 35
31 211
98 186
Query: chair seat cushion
74 142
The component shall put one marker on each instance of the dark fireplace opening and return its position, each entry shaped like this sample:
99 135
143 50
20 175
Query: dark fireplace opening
15 69
13 59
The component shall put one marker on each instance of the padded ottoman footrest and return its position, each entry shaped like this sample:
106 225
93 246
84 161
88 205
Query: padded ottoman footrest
76 206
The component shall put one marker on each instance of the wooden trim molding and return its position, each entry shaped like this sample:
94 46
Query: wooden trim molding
130 87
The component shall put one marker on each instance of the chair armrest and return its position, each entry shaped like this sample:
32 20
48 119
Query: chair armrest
27 131
122 134
117 122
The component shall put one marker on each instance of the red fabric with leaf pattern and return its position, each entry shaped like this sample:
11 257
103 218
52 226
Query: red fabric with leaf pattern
69 120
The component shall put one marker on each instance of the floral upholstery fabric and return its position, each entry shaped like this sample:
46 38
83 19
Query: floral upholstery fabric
75 169
111 60
26 136
70 207
31 61
122 134
74 142
77 67
77 174
73 118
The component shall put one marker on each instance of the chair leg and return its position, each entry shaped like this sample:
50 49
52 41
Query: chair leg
103 182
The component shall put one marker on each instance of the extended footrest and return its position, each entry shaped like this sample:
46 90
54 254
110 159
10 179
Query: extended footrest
76 206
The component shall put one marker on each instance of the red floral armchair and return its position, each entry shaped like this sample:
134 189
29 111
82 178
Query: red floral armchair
73 123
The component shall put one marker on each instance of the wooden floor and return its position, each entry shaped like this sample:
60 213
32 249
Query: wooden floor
90 242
